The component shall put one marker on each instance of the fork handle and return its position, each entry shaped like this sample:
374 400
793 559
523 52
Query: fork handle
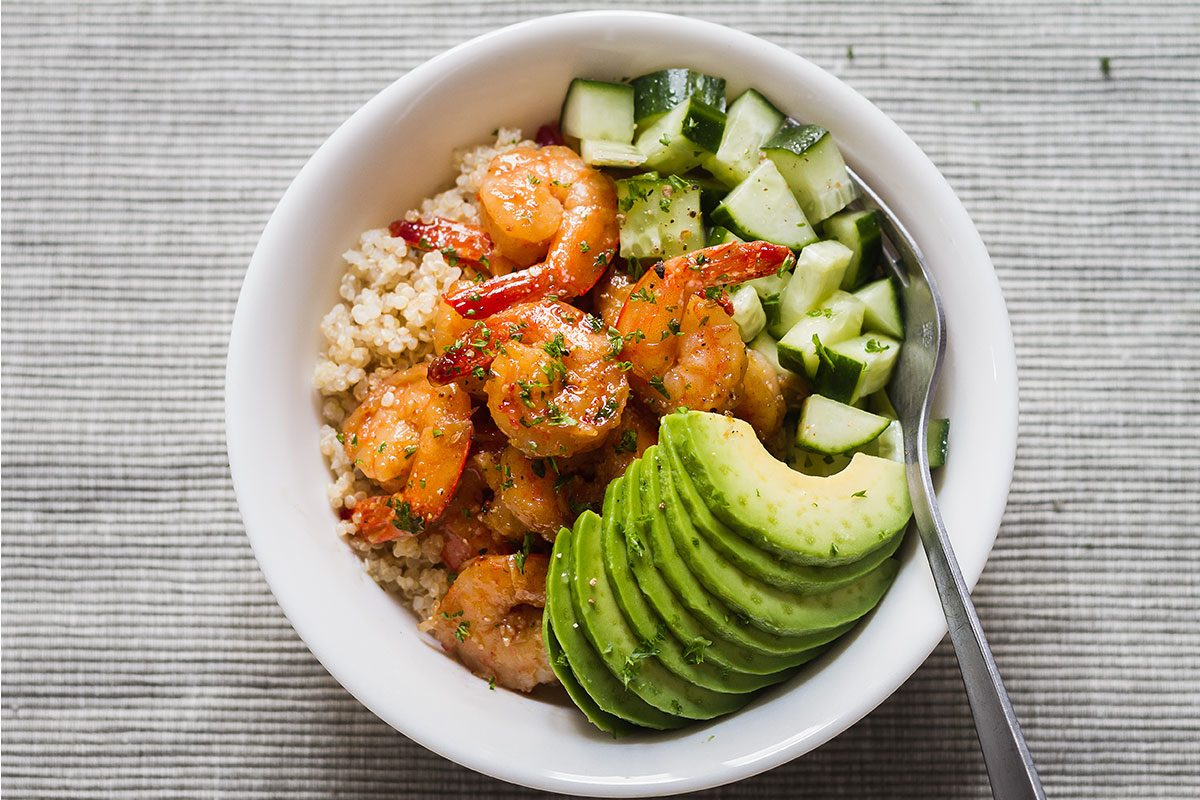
1009 764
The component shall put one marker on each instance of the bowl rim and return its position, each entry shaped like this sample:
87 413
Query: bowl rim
240 364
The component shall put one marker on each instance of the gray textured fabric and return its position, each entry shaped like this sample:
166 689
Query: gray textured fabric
144 147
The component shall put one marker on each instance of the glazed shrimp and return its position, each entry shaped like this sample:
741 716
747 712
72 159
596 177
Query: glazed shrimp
527 490
412 438
465 535
457 241
555 386
491 618
591 472
685 349
760 397
543 203
611 293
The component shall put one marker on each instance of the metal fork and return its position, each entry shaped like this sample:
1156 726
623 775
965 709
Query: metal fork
1010 766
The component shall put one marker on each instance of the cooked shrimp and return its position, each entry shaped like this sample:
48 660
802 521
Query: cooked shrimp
611 293
412 438
591 472
527 488
491 618
760 397
464 533
543 203
685 350
555 386
457 241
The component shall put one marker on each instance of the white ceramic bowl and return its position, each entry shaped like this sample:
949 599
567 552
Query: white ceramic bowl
396 150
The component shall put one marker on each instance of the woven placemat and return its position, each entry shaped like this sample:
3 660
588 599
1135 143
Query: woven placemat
144 147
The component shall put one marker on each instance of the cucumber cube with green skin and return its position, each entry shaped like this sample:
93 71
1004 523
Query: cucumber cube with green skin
748 312
656 93
835 320
750 121
890 443
585 663
661 217
678 140
812 165
817 275
763 208
860 231
882 313
806 520
832 428
719 235
598 110
851 370
598 153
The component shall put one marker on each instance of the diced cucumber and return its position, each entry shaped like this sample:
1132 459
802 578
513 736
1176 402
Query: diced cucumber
890 443
712 191
835 320
677 140
598 110
855 368
858 230
830 427
766 345
937 439
610 154
817 274
762 207
656 93
883 308
812 165
748 312
750 121
719 235
661 216
881 404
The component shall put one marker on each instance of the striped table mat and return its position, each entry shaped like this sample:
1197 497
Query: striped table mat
146 143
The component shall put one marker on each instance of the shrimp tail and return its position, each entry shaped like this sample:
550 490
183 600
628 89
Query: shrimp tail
458 362
451 238
735 262
498 293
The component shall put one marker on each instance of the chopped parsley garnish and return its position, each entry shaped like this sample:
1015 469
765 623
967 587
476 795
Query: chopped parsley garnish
539 467
627 443
508 482
601 259
827 313
341 437
462 631
873 346
523 553
492 683
451 256
404 519
657 383
694 652
594 322
558 419
479 372
664 140
584 247
607 410
712 292
644 295
647 649
673 326
382 447
556 347
860 493
438 433
534 181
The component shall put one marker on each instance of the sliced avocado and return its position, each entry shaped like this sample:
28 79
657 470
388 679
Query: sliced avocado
631 660
585 663
686 658
768 607
562 669
754 561
687 626
716 615
807 520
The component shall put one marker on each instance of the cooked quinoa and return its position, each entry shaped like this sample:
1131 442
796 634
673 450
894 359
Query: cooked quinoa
383 323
